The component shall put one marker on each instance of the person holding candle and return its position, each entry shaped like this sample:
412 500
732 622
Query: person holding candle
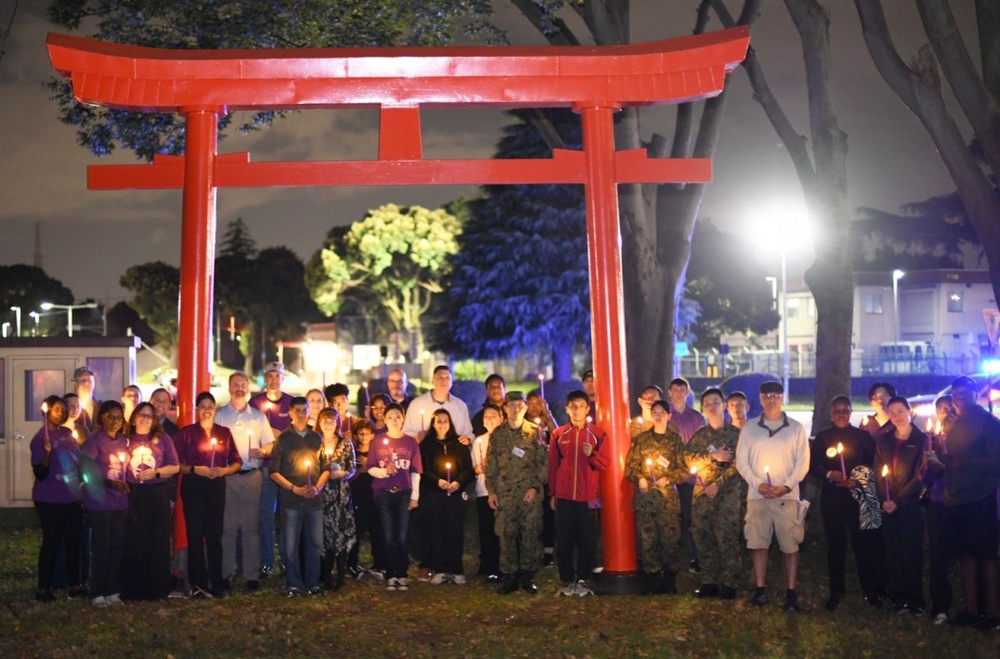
378 405
152 461
447 472
105 495
578 453
299 467
655 464
937 541
489 542
496 392
836 453
55 460
338 397
971 475
366 517
274 403
649 395
899 468
516 470
204 463
686 420
395 466
317 401
541 415
778 444
716 520
339 534
254 440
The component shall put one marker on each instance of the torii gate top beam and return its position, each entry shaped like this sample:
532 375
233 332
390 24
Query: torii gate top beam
161 80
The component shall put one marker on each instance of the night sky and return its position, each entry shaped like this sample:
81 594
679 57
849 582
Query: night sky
90 238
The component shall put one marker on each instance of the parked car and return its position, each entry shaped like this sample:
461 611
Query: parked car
922 406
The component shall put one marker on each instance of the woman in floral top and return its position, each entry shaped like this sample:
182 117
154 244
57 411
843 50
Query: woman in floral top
338 511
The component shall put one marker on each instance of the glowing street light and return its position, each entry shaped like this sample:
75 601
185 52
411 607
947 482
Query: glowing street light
17 319
897 274
68 308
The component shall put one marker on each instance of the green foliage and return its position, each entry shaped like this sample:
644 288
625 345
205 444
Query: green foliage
217 24
396 254
25 286
155 291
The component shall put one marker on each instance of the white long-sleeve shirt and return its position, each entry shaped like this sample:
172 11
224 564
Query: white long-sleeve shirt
782 446
456 408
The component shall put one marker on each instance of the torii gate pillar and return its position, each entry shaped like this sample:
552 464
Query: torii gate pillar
594 81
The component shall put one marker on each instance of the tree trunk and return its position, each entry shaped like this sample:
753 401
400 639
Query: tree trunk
562 363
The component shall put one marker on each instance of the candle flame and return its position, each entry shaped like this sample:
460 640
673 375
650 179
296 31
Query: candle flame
365 384
308 463
214 442
649 461
386 441
767 469
45 408
638 419
537 420
885 470
121 457
840 448
541 376
75 436
447 465
590 419
930 424
694 470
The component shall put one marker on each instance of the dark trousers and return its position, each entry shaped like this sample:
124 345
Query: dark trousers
548 522
366 522
204 511
840 522
937 547
393 508
686 493
107 528
489 543
903 532
445 517
576 528
61 524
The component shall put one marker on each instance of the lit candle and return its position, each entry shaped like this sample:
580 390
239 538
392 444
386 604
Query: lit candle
767 472
840 452
638 420
422 427
538 428
930 424
121 464
368 407
885 475
447 468
649 467
694 472
309 474
214 442
541 385
45 418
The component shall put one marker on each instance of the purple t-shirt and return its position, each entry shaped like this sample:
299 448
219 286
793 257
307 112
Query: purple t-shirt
62 485
687 422
146 453
404 452
105 452
277 411
194 447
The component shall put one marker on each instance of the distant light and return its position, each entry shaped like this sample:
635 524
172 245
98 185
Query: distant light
46 306
991 366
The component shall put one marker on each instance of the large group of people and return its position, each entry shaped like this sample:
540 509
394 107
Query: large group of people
132 507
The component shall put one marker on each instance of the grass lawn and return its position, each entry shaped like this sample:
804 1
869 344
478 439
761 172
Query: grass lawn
364 620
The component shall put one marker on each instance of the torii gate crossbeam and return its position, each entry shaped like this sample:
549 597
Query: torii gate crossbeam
595 81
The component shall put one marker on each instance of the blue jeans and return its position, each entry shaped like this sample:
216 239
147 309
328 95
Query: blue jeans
268 502
309 526
393 509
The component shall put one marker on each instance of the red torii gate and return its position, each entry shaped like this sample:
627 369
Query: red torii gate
594 81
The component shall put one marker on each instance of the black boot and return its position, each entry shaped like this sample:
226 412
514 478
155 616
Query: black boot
341 571
528 583
668 584
509 585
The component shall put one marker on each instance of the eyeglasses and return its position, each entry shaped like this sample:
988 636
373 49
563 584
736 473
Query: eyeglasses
144 416
772 396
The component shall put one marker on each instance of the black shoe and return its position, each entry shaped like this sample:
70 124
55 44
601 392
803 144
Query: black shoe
316 592
494 579
528 583
509 585
668 583
727 593
355 572
791 604
81 592
694 567
293 592
266 571
834 601
874 600
548 559
217 593
707 590
900 608
226 585
253 585
759 598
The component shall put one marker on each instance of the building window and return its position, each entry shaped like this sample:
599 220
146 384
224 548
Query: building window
873 303
956 302
793 307
811 310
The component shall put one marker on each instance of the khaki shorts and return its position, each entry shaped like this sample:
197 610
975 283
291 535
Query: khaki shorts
773 517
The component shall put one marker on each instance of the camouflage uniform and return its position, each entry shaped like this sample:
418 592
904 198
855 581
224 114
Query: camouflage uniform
657 513
517 461
717 522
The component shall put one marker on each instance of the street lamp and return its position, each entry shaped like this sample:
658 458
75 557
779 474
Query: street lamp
36 316
897 274
68 308
17 319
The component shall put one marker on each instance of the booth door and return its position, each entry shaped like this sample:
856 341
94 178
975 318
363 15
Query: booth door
32 379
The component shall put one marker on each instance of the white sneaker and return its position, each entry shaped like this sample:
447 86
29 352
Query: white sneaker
568 590
99 602
582 589
940 618
378 575
392 584
459 579
438 578
114 599
403 583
